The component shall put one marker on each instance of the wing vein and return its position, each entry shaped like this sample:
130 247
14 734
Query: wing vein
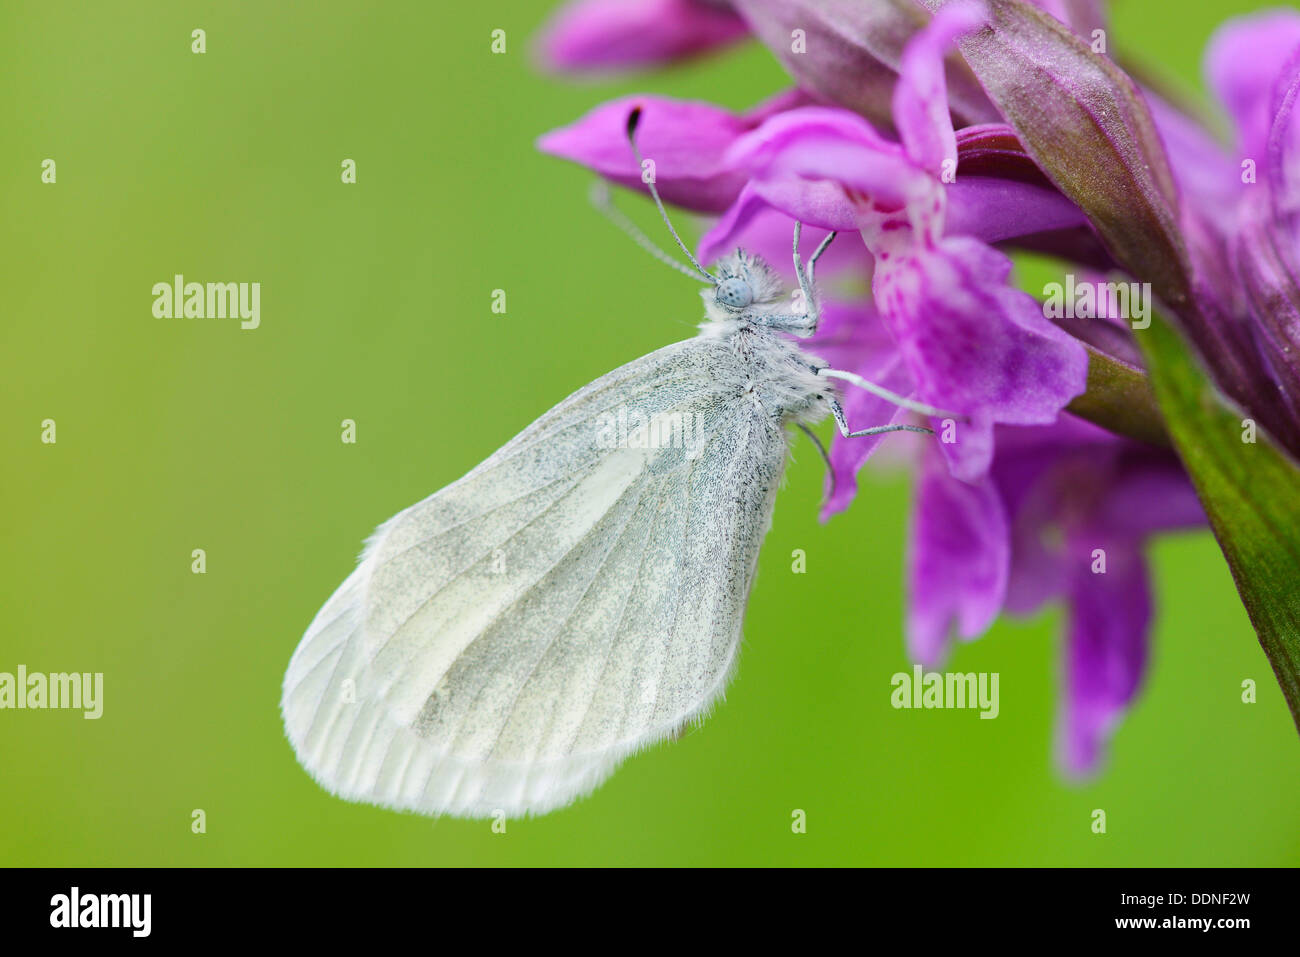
641 487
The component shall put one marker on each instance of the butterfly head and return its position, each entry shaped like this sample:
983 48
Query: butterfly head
744 284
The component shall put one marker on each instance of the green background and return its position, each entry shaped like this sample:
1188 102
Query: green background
184 434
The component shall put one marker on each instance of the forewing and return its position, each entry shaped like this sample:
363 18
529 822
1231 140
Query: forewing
506 642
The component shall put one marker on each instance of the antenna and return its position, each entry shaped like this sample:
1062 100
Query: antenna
604 203
634 120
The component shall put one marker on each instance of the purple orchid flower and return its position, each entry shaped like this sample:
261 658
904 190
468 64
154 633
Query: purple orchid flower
1238 217
1024 503
595 35
1254 66
1064 514
1024 534
970 342
943 326
687 141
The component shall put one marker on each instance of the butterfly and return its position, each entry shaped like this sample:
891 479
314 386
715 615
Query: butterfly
504 644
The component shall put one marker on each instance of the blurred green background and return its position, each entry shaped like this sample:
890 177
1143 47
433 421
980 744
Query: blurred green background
184 434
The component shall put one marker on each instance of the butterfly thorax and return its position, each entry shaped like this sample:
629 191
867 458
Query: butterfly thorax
771 371
748 310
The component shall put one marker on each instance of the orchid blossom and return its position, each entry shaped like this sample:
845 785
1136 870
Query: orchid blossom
936 137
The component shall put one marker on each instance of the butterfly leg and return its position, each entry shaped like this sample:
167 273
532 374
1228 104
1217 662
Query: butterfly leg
821 450
842 421
889 396
806 279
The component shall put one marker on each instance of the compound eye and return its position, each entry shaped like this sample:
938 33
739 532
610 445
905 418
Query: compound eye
734 293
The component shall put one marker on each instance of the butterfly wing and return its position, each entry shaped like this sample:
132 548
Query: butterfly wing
504 644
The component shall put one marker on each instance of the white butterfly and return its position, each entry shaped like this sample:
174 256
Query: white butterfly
504 644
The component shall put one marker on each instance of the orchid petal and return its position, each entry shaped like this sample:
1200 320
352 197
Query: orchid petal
852 337
618 34
957 566
817 203
921 95
686 140
758 225
827 143
1106 650
1242 61
975 345
1283 149
995 210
